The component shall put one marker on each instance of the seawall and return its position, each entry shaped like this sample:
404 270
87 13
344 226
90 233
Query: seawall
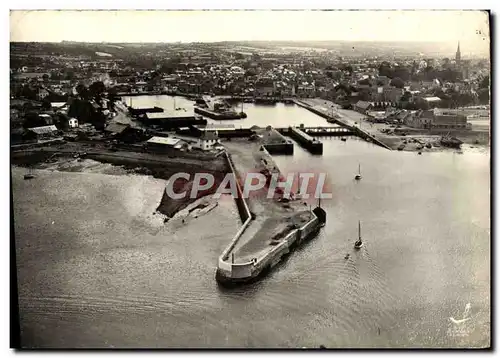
230 272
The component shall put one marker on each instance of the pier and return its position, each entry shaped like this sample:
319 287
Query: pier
338 120
298 133
328 131
274 142
269 231
213 110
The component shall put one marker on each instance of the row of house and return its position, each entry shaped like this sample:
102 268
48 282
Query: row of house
436 118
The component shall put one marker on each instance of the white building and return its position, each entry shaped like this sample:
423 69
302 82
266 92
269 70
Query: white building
73 123
208 140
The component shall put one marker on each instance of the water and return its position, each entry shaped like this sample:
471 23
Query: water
278 115
97 269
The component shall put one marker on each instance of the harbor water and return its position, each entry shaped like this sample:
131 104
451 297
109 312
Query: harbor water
96 268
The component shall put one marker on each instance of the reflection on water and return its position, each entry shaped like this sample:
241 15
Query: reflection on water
96 268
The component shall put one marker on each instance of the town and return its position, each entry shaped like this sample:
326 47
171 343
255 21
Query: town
70 90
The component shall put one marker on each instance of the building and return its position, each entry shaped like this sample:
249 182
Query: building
42 93
115 129
437 119
208 140
164 144
458 56
73 123
433 102
363 106
392 94
57 105
47 118
448 120
45 132
421 119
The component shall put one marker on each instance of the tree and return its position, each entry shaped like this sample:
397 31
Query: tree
82 91
97 89
385 69
365 82
484 95
397 82
405 97
46 105
32 120
485 82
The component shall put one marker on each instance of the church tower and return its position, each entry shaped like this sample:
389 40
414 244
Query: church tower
457 55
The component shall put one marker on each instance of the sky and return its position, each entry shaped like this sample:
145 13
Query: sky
469 27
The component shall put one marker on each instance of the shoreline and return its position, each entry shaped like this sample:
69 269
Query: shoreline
475 138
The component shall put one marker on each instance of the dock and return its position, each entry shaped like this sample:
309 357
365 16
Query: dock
211 110
313 145
169 121
274 142
141 111
338 120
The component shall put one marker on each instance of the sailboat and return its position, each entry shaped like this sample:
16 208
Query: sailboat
359 244
29 174
358 176
242 114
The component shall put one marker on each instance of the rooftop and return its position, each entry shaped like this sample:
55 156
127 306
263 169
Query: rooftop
44 129
169 115
164 141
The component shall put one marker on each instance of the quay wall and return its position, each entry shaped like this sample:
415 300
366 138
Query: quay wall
311 144
246 217
357 131
273 257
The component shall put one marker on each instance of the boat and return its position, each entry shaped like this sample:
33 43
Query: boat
343 139
358 244
29 174
358 176
419 153
451 142
347 256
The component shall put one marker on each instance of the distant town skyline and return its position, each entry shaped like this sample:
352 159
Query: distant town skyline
471 28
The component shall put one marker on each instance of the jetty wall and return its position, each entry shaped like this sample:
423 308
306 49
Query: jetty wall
246 217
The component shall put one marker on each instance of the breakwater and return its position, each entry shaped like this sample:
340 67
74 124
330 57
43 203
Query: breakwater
276 247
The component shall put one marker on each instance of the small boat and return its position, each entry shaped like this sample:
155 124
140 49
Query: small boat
347 256
343 139
359 244
419 153
358 176
29 174
451 142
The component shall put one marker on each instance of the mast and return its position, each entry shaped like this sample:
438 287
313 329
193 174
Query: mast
359 230
359 169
